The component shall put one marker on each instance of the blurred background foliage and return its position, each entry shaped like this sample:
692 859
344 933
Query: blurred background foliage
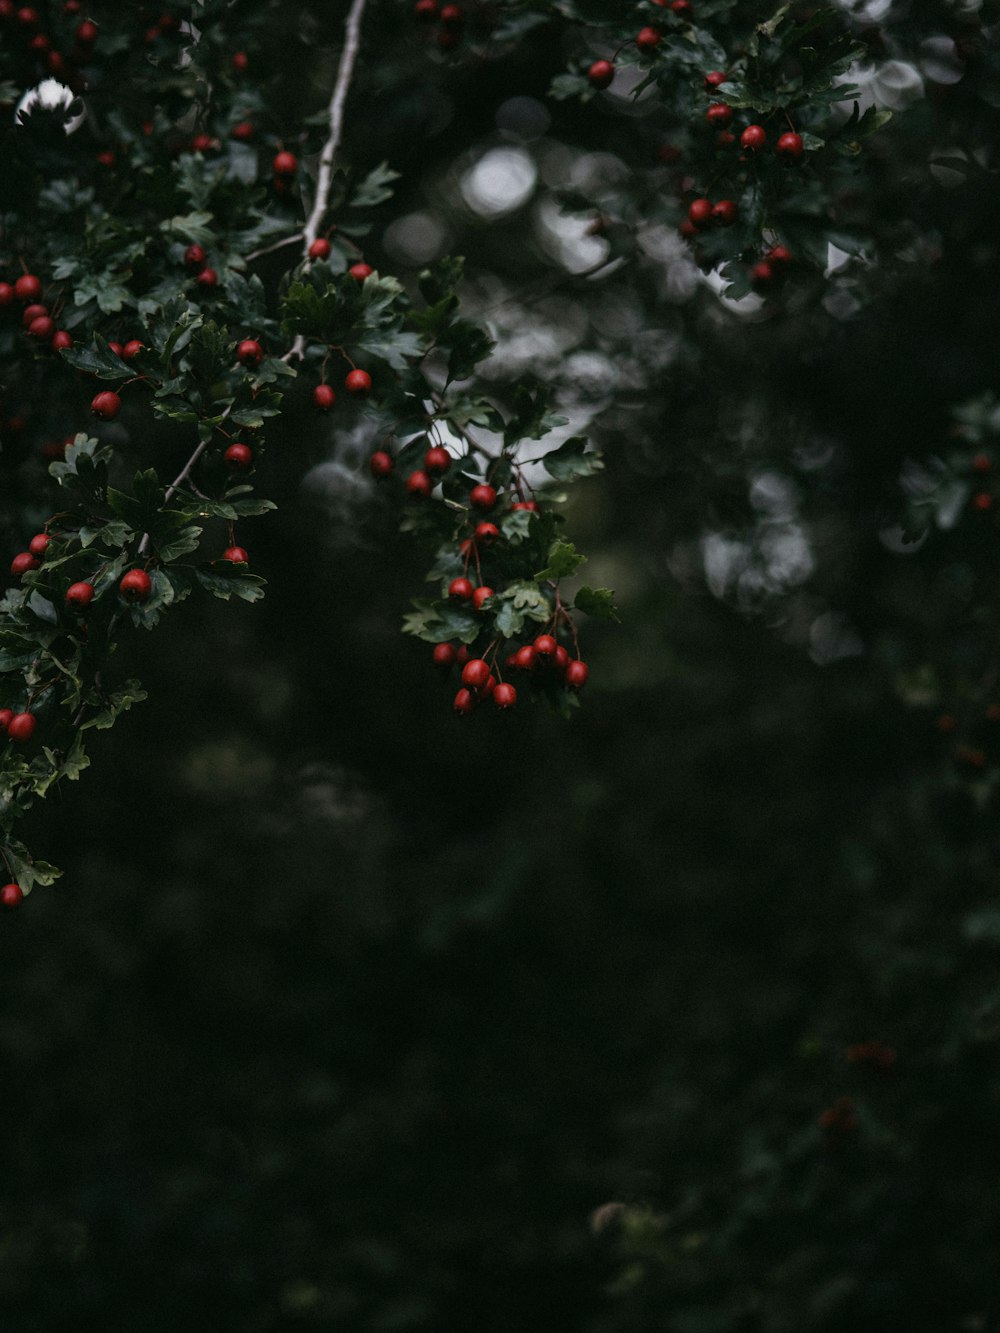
682 1017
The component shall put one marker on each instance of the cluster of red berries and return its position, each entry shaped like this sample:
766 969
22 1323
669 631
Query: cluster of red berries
703 213
36 319
450 19
27 21
544 660
19 727
982 501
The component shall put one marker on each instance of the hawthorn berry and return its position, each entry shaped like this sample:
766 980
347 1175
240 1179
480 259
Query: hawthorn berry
648 39
238 455
240 62
560 658
700 213
486 534
601 74
323 397
419 485
285 164
530 506
243 132
27 17
116 348
320 248
790 147
480 596
360 271
358 383
525 659
714 79
235 555
983 502
194 256
762 274
5 716
207 278
504 695
61 341
23 563
475 673
28 288
202 143
724 213
11 895
443 655
452 15
682 8
779 254
250 353
136 585
460 590
86 32
464 702
381 464
31 313
544 645
39 544
688 230
79 594
22 726
437 461
425 10
132 349
43 328
6 294
483 496
719 115
106 405
753 138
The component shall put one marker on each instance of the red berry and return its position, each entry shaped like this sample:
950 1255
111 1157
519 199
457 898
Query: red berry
28 288
779 254
250 352
132 349
381 464
202 143
688 230
79 594
982 463
419 485
425 10
725 139
719 115
360 271
444 655
525 658
460 590
530 506
601 73
452 15
5 716
106 405
86 32
22 727
285 164
437 461
714 79
115 347
762 274
207 278
475 673
753 138
243 132
700 213
6 294
545 645
320 248
11 895
240 62
23 563
42 328
482 595
724 213
61 340
790 147
483 496
135 586
39 544
560 658
194 256
983 502
238 455
486 534
648 39
31 313
682 7
27 17
235 555
358 383
464 702
505 696
323 397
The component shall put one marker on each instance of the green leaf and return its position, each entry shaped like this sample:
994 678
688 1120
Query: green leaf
571 460
564 559
226 581
598 603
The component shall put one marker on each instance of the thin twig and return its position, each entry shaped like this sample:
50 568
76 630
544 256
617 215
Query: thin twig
277 245
172 490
